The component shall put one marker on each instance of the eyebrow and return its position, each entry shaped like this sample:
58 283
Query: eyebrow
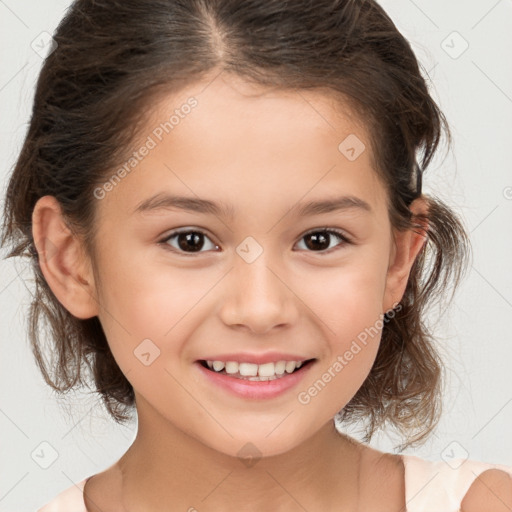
163 201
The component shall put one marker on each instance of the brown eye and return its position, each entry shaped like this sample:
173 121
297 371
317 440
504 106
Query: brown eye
320 240
190 241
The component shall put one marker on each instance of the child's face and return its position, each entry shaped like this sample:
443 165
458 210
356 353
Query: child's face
263 156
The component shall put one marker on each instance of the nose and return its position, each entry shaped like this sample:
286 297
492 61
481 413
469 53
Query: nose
258 297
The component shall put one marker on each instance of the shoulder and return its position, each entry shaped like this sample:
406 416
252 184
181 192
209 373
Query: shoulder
103 491
474 486
491 491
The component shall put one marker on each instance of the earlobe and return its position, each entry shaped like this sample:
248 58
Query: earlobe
406 247
62 259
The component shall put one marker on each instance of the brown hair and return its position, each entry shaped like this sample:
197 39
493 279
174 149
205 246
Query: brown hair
114 57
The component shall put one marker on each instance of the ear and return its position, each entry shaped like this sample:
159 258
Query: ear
62 259
406 246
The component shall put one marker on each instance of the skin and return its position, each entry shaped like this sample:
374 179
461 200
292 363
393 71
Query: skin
262 152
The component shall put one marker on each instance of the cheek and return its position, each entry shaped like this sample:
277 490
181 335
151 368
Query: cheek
348 301
149 299
347 298
159 303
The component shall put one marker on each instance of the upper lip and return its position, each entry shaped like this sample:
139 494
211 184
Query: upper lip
245 357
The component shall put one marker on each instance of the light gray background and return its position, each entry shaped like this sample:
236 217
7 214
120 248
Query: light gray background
475 92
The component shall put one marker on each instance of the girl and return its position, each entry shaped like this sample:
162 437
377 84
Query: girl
223 203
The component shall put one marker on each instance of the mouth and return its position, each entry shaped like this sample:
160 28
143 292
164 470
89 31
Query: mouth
251 381
254 372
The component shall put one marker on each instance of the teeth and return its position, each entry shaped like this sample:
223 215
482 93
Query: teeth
279 367
231 367
290 366
217 365
266 371
247 369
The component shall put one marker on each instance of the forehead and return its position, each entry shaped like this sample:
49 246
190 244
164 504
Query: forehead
249 145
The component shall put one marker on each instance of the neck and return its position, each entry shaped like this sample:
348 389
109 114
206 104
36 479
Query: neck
165 469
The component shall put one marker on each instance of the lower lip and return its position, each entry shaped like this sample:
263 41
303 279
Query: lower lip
254 389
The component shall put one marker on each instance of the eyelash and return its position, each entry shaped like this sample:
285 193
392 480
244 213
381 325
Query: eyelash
331 231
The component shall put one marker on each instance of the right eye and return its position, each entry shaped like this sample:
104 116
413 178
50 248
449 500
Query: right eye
187 241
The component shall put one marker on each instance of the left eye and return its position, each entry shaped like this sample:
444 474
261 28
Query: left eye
191 241
323 237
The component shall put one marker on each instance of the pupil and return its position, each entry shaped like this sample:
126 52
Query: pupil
321 238
187 241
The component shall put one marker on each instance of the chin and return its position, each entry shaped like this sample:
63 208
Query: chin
251 448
